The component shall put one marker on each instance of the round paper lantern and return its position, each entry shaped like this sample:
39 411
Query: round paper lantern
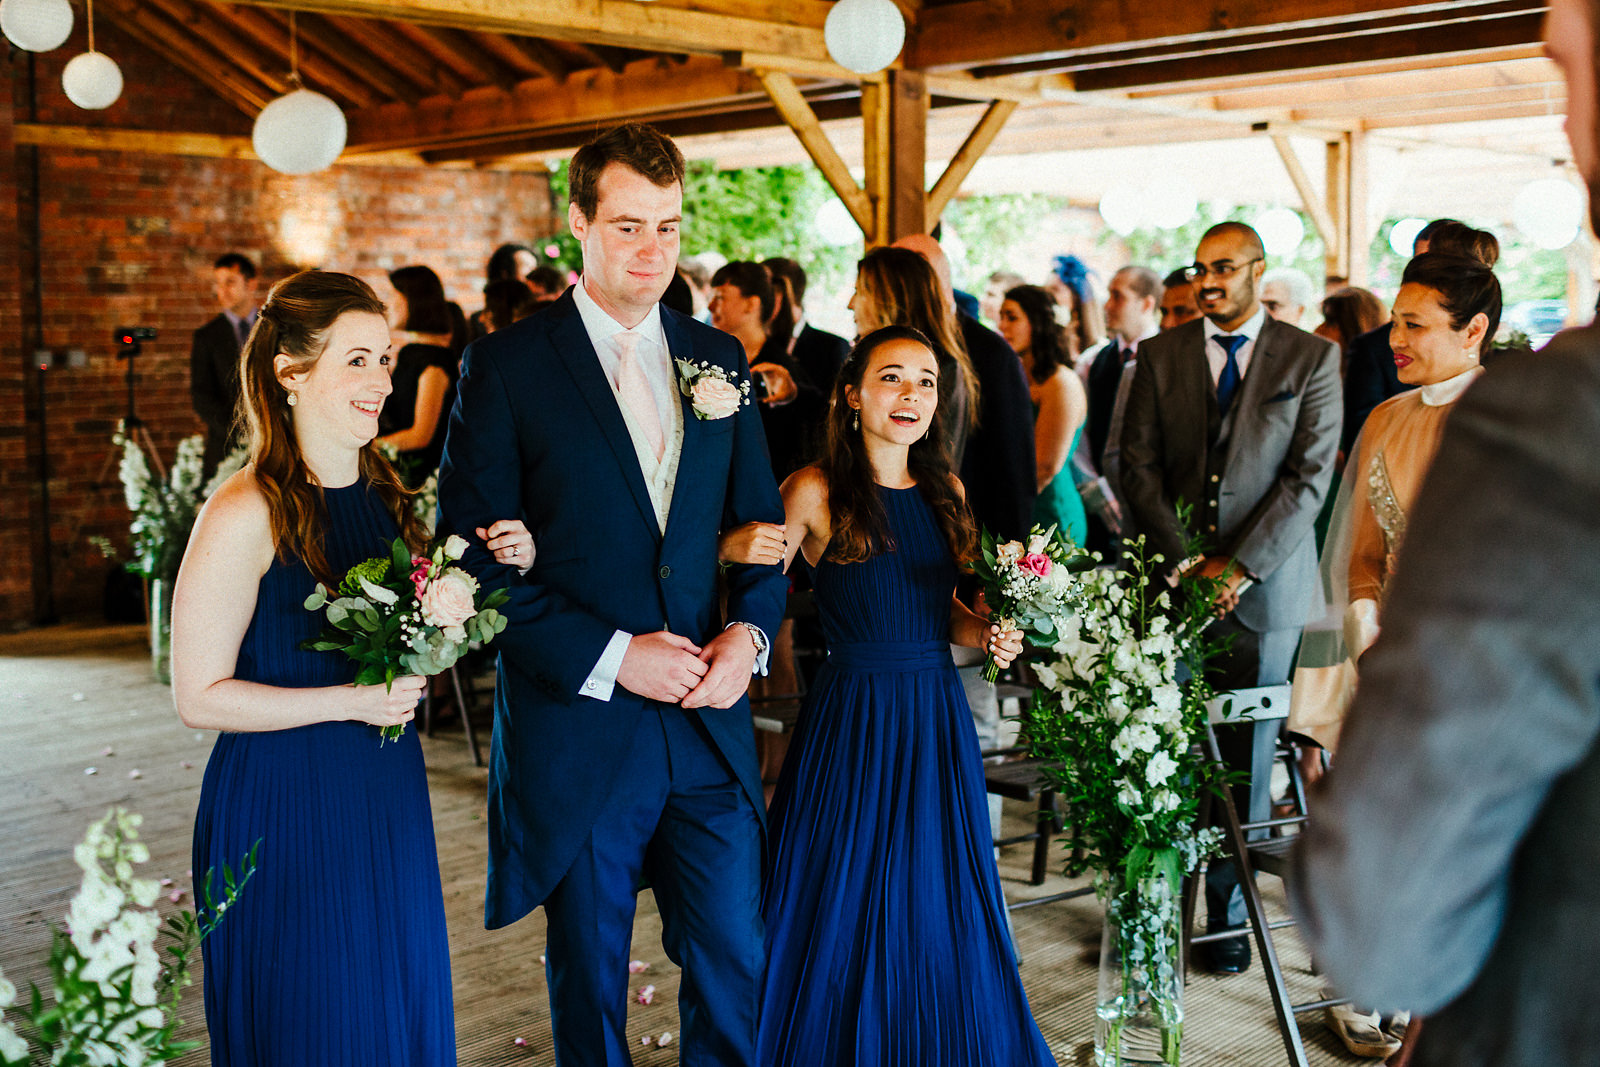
1170 206
1403 236
1122 207
835 225
299 133
1549 212
36 25
92 81
1281 231
864 35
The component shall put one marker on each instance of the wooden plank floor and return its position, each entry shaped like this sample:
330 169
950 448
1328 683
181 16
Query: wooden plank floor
75 698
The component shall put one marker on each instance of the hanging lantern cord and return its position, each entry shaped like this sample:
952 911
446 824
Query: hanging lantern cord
91 25
294 52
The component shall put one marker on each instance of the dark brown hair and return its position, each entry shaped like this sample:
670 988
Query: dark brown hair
1351 312
427 310
295 321
637 146
1052 346
1466 288
856 513
905 290
751 280
1458 239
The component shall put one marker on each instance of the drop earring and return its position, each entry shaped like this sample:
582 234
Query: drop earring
855 419
293 398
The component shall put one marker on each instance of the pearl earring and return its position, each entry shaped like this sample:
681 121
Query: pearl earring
855 419
294 398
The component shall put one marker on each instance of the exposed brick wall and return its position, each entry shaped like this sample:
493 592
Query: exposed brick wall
129 240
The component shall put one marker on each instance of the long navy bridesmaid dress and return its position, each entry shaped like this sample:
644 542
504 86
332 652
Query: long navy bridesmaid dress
336 952
886 932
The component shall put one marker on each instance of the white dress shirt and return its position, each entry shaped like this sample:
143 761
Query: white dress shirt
1217 356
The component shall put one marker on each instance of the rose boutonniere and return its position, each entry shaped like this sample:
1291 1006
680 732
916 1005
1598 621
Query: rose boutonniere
711 389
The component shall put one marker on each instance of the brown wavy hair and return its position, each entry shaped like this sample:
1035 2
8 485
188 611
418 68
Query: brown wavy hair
860 523
906 292
294 321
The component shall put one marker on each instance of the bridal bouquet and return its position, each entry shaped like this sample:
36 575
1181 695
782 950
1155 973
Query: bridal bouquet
1030 587
113 994
1120 704
402 614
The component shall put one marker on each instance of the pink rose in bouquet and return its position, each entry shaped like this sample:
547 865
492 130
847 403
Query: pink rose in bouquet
1036 563
715 398
447 600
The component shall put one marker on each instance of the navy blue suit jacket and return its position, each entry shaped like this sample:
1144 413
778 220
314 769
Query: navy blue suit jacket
536 433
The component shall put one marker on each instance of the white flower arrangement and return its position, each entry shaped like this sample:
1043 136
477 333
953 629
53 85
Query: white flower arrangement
113 996
712 390
164 510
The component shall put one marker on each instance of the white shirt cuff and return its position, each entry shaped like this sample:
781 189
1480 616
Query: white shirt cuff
760 669
602 681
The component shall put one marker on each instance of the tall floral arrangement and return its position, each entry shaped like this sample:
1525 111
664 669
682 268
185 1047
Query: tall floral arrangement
1121 701
113 992
164 509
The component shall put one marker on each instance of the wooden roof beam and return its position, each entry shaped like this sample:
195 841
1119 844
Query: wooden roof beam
595 98
966 157
1294 79
317 72
782 28
1341 51
973 32
526 56
349 55
168 40
1358 89
421 69
797 112
461 53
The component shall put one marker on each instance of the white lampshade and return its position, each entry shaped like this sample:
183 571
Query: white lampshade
1122 208
92 81
1403 236
36 25
864 35
1549 212
1281 231
299 133
1169 205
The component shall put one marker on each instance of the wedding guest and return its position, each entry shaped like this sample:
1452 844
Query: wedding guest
1286 293
297 768
1348 313
1444 321
880 875
1178 303
1028 323
504 302
214 355
1001 282
509 262
819 353
679 295
1453 867
743 304
1238 415
425 371
1132 317
1370 373
545 282
1070 284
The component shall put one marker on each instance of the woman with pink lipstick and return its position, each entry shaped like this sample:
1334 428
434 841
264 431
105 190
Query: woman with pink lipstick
1444 321
885 924
336 951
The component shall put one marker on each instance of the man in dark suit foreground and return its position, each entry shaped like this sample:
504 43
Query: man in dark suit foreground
1452 865
1237 416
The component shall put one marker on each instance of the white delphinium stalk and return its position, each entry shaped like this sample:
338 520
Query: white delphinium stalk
12 1048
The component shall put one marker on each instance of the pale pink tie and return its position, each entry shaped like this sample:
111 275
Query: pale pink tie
636 393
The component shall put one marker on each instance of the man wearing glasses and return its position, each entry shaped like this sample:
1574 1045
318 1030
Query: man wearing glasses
1236 416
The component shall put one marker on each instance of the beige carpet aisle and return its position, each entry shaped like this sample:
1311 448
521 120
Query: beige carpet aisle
68 694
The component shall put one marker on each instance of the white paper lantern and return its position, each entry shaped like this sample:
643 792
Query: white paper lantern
92 81
835 225
1122 207
1403 236
1169 205
864 35
299 133
36 25
1281 231
1549 212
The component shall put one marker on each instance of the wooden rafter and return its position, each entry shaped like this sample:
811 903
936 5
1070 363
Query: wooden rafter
797 112
966 157
462 54
777 27
322 36
317 73
166 143
167 39
422 70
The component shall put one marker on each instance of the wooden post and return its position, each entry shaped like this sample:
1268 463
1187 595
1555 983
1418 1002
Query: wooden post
875 153
1337 252
1350 255
894 116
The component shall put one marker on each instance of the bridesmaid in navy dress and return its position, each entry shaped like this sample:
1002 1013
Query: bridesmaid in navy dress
335 954
886 929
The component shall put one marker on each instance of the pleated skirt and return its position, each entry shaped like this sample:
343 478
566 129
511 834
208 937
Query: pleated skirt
886 933
336 952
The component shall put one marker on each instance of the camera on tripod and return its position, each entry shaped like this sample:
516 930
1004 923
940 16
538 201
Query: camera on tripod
132 335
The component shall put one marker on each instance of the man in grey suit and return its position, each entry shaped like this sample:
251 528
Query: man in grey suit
1453 863
1236 415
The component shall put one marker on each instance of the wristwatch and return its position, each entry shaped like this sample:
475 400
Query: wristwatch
756 636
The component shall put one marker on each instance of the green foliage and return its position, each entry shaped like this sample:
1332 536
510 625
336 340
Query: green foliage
373 570
992 225
1167 250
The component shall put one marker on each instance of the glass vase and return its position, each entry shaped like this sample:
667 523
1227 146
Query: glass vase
161 630
1139 1004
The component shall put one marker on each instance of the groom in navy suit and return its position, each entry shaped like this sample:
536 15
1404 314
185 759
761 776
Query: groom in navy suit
623 749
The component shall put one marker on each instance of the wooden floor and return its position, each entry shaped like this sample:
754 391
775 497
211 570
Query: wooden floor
84 727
